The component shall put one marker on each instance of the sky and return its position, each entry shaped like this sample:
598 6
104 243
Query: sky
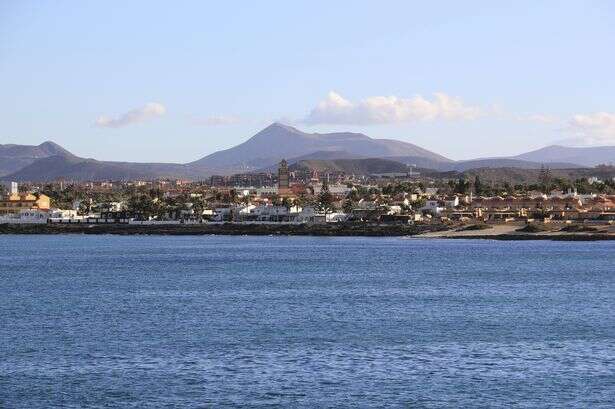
173 81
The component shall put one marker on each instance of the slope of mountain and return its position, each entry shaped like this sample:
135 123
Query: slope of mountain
14 157
79 169
327 155
480 163
425 163
586 156
282 141
319 156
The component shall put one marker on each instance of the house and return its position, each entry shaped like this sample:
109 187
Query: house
451 201
433 206
309 214
273 213
16 202
267 191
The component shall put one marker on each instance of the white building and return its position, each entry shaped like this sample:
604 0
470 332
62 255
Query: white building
433 206
451 202
336 189
26 216
267 191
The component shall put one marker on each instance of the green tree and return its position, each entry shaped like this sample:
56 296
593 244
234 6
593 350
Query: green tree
104 206
287 203
198 206
418 203
348 206
461 186
478 186
325 203
85 207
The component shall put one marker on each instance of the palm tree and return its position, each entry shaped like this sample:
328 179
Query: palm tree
325 202
198 206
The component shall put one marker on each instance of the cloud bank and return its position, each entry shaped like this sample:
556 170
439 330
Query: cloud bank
146 112
592 129
335 109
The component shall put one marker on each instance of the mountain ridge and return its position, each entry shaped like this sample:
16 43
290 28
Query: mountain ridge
14 157
262 152
585 156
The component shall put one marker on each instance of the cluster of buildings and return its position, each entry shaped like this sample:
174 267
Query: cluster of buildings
290 200
555 206
24 207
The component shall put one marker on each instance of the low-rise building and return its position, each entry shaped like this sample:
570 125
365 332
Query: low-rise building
25 216
16 202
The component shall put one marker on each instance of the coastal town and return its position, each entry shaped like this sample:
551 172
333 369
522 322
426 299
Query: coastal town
289 197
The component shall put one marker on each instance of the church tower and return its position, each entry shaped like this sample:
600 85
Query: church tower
283 178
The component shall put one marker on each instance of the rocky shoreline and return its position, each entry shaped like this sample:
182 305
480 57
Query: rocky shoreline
338 229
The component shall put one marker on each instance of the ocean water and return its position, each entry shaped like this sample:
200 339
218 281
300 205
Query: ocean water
188 322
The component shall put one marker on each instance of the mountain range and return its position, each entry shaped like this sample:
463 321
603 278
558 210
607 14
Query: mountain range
49 161
281 141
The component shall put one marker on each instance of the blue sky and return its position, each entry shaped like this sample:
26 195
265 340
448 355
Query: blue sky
171 82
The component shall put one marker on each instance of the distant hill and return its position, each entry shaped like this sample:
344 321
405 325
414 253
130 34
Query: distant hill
437 165
491 169
519 175
278 141
506 163
352 166
586 156
15 157
79 169
478 163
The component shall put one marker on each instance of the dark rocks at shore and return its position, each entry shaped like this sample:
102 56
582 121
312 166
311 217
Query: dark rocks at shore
341 229
337 229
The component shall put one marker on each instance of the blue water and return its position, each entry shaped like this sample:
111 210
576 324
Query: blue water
110 321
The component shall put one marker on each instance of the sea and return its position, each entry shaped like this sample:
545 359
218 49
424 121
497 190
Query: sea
103 321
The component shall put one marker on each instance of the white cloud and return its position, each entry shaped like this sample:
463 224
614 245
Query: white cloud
592 129
335 109
216 120
148 111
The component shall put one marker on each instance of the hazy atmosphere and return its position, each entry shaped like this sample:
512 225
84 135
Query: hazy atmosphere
141 82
